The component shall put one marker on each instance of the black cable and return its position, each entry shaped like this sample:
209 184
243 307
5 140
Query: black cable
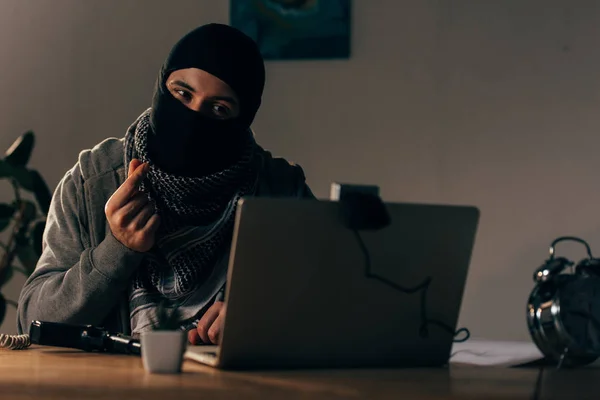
423 287
538 385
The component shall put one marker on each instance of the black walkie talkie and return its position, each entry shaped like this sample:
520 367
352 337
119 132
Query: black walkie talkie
82 337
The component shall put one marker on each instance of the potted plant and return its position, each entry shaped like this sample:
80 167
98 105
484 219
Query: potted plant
24 217
163 346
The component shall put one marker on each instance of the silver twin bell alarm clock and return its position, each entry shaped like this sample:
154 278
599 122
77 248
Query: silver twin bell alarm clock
563 311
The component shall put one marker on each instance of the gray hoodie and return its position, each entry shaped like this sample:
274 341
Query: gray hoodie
84 273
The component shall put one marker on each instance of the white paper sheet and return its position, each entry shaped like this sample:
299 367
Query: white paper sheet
494 353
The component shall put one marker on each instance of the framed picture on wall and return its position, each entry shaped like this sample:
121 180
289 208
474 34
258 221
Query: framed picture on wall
295 29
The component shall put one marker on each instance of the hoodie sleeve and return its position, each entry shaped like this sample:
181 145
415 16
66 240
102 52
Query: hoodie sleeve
74 282
304 190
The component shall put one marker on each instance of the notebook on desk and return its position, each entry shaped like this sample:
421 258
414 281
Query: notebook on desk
305 291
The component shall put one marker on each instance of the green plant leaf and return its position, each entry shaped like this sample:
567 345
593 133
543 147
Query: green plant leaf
5 169
6 275
41 191
36 235
20 174
27 256
23 177
2 308
6 210
167 317
20 152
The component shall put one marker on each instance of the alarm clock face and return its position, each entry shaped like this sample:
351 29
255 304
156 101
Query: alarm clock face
579 300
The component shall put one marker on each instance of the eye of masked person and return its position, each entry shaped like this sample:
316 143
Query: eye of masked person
204 93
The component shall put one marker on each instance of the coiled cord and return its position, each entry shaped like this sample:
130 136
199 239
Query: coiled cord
14 342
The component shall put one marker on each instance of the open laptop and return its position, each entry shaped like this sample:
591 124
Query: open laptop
300 292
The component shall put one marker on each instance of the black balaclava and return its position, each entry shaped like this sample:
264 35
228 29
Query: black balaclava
186 142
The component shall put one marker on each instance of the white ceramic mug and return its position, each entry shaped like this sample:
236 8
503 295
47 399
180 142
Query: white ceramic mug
162 351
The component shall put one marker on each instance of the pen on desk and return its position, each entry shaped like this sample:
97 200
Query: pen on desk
190 326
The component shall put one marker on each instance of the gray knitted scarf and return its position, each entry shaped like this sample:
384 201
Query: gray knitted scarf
197 215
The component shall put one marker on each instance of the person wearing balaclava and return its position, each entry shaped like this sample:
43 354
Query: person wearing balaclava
190 143
147 220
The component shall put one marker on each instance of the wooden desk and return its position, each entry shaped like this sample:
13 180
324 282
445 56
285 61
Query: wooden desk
51 373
